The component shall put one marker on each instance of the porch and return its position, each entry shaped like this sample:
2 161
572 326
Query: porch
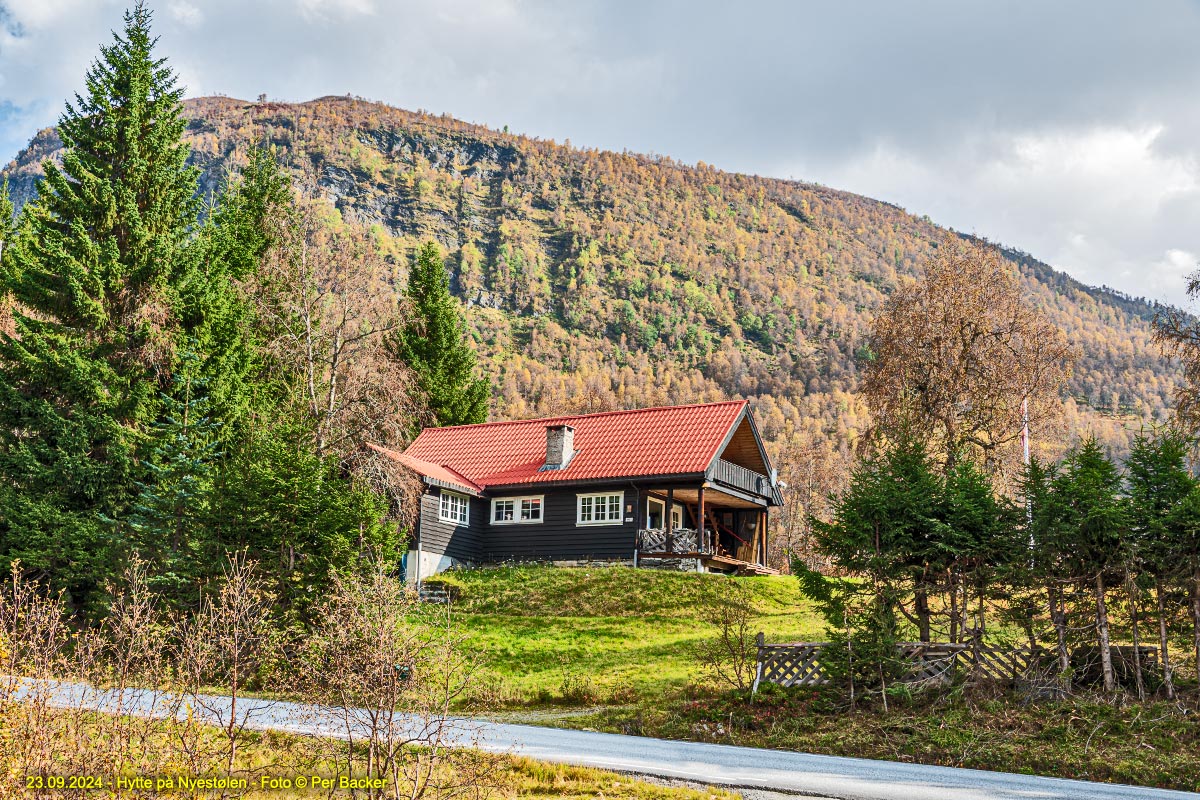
721 523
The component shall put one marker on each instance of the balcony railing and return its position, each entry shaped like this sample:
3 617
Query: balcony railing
660 541
739 477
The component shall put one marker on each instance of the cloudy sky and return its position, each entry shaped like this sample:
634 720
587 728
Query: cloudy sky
1070 129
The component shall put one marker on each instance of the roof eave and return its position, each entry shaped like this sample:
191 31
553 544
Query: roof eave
454 487
624 479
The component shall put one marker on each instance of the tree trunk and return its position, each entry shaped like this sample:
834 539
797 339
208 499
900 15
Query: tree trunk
1168 680
1059 616
1138 680
921 601
953 607
1110 680
1196 614
981 623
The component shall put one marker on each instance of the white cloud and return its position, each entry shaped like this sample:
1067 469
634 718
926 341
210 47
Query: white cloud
185 13
1067 130
325 9
1166 277
1094 201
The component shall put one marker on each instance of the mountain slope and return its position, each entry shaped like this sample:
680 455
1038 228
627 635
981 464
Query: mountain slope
598 279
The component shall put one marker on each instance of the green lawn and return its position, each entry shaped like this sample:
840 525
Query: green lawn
622 642
606 634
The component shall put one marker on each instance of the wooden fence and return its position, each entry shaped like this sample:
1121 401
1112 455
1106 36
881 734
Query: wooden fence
800 663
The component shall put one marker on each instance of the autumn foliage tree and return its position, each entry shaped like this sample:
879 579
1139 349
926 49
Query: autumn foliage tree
325 325
956 353
1177 332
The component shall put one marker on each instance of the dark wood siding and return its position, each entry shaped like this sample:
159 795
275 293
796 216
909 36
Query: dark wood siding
558 537
457 541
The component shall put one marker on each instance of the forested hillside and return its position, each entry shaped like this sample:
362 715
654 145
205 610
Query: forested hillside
597 280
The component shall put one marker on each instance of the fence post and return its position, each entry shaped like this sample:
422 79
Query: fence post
758 669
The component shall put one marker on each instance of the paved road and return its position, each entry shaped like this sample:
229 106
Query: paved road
723 765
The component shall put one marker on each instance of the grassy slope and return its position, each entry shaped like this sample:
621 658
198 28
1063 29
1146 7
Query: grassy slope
622 640
605 634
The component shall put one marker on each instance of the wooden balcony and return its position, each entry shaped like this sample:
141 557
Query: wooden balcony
739 477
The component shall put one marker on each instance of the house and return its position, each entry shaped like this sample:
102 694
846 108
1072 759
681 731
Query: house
683 486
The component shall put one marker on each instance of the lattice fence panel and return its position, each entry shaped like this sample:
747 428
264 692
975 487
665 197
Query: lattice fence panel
654 541
799 664
790 664
930 662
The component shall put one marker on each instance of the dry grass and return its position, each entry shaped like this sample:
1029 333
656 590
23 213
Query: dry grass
1083 737
81 743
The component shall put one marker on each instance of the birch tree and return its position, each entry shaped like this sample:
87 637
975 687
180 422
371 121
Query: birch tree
956 353
321 299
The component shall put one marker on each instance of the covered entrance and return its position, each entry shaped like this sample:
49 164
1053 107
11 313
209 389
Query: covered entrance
723 530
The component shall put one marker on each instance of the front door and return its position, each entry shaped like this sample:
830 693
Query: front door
654 513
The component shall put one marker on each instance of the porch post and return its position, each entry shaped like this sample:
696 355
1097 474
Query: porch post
667 526
700 520
766 520
637 522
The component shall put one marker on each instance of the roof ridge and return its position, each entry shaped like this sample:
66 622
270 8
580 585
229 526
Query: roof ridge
581 416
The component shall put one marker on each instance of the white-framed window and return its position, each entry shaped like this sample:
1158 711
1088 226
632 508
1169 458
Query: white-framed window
455 508
599 509
516 510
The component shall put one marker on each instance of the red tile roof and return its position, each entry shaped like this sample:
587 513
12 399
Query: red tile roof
429 469
675 440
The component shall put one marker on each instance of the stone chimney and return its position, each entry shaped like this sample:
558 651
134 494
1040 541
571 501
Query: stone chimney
560 446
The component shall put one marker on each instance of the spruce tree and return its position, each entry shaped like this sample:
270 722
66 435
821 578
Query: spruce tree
219 316
888 526
1096 519
1159 483
1049 540
1184 525
169 521
8 229
95 275
433 343
979 544
7 226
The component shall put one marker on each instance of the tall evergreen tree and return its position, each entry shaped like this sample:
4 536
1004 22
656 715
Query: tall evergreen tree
1050 542
1159 483
7 226
170 518
1096 517
243 224
889 526
1184 525
95 275
298 515
8 229
981 543
433 343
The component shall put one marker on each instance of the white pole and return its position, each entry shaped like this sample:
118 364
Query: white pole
1025 448
1025 428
